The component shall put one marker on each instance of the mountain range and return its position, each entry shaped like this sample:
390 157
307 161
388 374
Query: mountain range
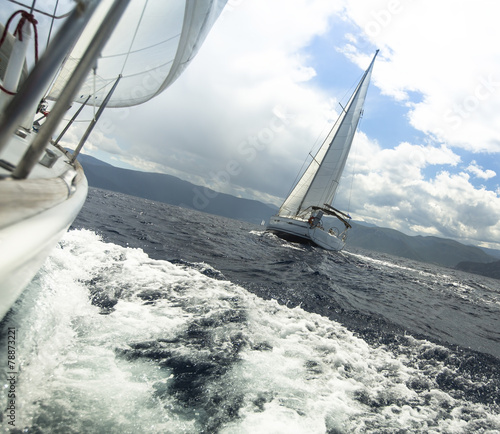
491 269
172 190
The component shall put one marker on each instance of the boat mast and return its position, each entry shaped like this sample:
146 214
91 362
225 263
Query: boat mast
343 115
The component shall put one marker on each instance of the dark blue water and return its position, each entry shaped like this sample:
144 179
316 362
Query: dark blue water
153 318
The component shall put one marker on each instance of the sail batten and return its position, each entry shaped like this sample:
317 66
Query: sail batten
319 183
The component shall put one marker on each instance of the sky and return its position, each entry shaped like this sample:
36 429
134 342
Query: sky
265 89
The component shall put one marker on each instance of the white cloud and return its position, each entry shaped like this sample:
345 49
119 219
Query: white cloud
243 101
389 188
97 141
445 51
244 115
478 171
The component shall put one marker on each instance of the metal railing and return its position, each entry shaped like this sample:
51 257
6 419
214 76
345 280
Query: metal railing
45 70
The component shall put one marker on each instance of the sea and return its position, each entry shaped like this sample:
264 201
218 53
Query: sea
151 318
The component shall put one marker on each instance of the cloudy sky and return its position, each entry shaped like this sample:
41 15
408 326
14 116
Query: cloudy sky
266 87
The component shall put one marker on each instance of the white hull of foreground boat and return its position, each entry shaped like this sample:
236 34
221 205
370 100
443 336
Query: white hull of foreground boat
301 230
26 242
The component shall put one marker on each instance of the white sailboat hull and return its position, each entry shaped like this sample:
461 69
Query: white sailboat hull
301 231
312 196
35 213
25 244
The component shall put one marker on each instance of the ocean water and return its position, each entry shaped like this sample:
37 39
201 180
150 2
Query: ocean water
149 318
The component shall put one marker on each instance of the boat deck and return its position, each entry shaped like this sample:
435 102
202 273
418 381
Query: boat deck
50 182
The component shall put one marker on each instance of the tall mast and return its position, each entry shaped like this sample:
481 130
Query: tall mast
317 184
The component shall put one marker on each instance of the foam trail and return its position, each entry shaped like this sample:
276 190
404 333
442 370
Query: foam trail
113 341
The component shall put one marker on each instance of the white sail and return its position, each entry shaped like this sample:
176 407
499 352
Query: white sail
318 184
152 44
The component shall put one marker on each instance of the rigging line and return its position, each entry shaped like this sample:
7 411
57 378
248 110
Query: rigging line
305 164
39 11
133 38
302 171
312 156
321 138
97 90
52 22
297 177
137 74
142 49
349 91
354 165
94 86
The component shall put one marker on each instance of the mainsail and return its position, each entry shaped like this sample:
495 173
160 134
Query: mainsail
152 44
318 184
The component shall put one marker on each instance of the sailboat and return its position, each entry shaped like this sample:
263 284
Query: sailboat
114 53
307 213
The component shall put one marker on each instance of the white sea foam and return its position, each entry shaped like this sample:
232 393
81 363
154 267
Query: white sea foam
387 264
282 370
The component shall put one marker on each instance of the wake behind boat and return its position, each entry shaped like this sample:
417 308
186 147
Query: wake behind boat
135 48
301 215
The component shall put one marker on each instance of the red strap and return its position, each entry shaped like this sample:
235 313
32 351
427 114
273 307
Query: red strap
25 16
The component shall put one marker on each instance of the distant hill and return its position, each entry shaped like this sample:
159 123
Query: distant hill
492 269
169 189
174 191
492 252
425 249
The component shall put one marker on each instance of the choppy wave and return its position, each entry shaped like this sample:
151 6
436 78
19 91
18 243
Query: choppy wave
111 340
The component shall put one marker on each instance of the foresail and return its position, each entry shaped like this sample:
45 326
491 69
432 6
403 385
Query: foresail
151 46
319 182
